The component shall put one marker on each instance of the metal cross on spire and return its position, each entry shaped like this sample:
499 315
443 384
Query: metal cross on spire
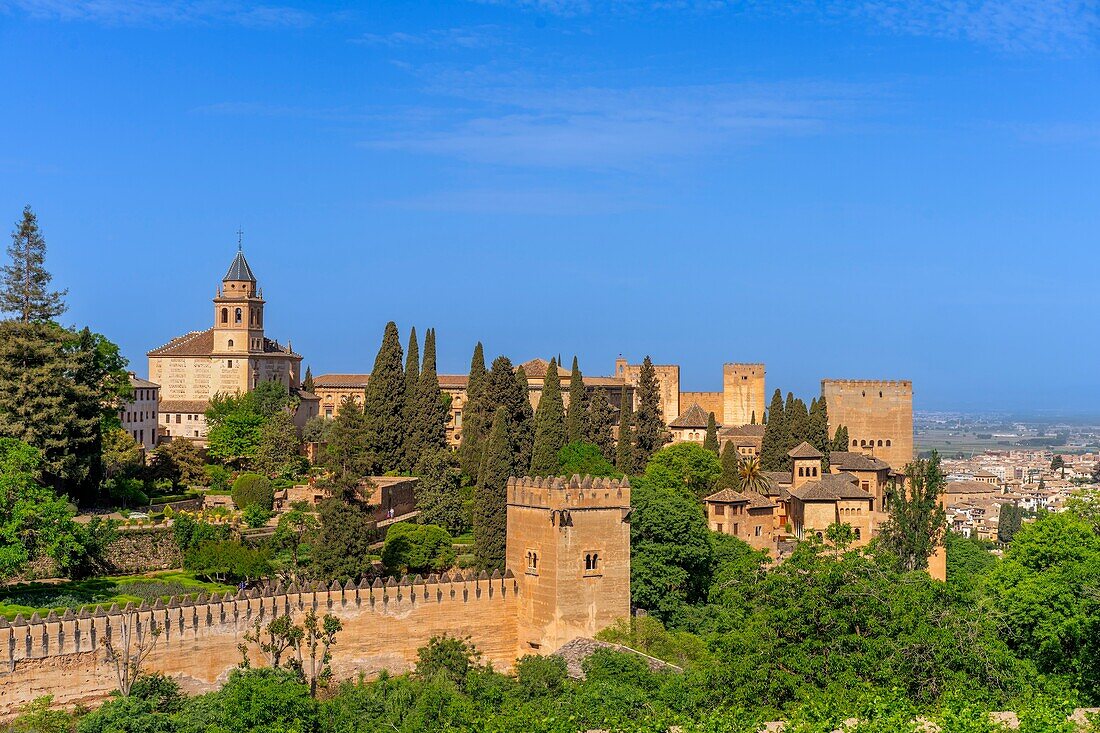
240 239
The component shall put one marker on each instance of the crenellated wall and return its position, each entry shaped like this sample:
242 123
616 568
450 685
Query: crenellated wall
384 625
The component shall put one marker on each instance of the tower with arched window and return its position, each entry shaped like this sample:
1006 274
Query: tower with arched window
569 546
239 311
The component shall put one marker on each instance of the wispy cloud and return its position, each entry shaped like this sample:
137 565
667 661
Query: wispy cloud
480 36
609 128
162 12
1047 26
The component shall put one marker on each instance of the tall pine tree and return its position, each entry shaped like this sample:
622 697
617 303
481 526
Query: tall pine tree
25 287
624 447
477 414
549 425
346 454
577 415
523 422
730 477
772 454
710 442
819 431
307 383
490 510
384 405
650 432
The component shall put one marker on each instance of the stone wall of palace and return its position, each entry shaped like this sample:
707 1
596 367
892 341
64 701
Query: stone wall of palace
384 625
877 414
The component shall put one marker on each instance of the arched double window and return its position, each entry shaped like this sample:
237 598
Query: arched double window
591 562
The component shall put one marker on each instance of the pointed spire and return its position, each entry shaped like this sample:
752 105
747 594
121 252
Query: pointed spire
239 271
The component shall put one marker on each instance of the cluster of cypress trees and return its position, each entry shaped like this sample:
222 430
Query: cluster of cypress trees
404 411
790 423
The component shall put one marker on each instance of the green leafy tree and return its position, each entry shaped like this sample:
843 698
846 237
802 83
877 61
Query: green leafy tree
916 522
549 425
477 415
262 699
625 452
1057 463
34 522
649 432
255 516
179 461
25 288
772 453
599 420
122 455
583 459
293 531
236 439
252 488
417 548
576 429
267 398
439 493
490 510
316 429
1010 519
730 475
448 657
670 546
696 467
227 561
968 561
190 533
342 551
278 451
384 406
1045 595
710 442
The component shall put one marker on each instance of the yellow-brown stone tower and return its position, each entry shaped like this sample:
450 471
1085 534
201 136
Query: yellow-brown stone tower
743 394
569 546
877 414
239 312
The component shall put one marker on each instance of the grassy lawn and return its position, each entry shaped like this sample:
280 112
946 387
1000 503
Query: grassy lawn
27 598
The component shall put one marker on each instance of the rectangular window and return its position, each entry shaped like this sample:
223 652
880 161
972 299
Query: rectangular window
759 530
179 418
719 528
719 510
735 527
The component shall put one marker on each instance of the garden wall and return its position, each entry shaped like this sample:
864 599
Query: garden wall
384 625
142 551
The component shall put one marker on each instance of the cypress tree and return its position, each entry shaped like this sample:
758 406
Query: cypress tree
523 422
771 448
384 405
490 510
798 426
730 477
346 454
710 442
432 404
577 415
650 430
819 430
307 383
753 420
840 439
624 448
411 447
476 416
549 425
24 288
599 419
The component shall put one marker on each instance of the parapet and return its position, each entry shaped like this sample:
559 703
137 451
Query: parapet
877 383
576 491
744 364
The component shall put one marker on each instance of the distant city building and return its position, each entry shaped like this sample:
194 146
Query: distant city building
139 415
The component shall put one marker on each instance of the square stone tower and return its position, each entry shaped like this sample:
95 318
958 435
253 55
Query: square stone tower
743 394
877 414
569 546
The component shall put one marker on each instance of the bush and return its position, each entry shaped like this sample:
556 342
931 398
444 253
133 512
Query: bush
252 488
540 676
189 532
217 477
227 561
417 548
126 492
255 516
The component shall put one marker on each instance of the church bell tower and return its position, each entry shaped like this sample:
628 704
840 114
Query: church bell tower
238 311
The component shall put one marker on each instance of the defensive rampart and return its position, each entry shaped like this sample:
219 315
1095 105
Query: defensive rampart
383 626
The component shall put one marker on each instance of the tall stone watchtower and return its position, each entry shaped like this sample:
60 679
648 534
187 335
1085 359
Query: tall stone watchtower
878 415
569 546
238 311
743 394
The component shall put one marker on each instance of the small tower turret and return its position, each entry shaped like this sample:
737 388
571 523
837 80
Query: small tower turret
238 311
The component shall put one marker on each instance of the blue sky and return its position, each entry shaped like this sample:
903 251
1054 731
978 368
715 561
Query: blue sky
889 189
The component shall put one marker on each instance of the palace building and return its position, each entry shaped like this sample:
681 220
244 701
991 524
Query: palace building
231 357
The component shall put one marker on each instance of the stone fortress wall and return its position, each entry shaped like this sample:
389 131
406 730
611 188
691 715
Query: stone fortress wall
568 551
384 625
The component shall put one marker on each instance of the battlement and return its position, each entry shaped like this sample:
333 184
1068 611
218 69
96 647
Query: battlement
743 365
186 619
876 383
559 492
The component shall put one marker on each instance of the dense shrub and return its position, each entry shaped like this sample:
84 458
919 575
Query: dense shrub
252 488
417 548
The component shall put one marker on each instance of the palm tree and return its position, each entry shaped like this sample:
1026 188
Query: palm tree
752 476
